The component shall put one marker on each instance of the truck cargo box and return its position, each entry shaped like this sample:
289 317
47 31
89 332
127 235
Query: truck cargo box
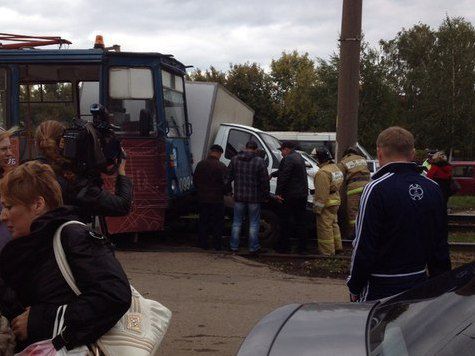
209 105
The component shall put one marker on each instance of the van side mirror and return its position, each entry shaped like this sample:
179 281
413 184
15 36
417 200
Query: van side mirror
308 165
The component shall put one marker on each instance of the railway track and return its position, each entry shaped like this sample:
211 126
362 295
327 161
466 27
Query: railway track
461 222
460 247
458 222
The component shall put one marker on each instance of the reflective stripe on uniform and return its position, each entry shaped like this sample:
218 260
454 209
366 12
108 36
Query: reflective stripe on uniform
355 191
319 205
332 202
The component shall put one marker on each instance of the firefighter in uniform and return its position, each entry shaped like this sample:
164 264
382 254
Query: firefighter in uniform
356 174
328 181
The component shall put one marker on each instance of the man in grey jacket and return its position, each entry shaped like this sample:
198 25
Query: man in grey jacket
292 192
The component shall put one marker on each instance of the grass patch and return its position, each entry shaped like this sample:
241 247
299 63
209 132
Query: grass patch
462 237
462 202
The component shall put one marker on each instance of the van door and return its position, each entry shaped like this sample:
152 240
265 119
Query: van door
236 142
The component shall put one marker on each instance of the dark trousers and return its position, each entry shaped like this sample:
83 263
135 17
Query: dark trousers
211 223
292 224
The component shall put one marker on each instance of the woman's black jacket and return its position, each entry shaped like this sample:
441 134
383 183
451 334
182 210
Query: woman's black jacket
91 199
28 266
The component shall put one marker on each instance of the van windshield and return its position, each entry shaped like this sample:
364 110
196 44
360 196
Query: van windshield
273 144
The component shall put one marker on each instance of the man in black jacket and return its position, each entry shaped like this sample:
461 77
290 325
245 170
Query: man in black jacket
209 179
251 188
292 192
401 229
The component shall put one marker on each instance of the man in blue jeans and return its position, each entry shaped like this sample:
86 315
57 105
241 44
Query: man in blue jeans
251 188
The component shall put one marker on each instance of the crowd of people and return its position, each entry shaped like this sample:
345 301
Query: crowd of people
248 173
398 219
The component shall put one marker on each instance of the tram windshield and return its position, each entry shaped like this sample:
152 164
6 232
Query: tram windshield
174 102
131 100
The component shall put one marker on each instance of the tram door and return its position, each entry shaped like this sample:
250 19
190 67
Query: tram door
131 91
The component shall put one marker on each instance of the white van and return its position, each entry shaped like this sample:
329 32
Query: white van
307 141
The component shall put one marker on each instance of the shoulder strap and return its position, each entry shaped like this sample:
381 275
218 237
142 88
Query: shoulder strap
60 257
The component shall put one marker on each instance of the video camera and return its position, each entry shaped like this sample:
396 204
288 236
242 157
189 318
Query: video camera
93 147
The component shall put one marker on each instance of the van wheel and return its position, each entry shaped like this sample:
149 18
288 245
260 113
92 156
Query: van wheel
269 228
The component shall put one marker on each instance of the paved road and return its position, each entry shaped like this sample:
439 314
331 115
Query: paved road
217 299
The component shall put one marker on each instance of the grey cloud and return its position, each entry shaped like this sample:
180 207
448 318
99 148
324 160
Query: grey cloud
213 32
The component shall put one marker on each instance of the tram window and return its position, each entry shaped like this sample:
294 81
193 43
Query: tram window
134 117
130 83
132 100
46 101
174 102
88 93
3 97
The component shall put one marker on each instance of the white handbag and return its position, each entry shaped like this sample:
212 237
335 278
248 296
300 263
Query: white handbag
140 330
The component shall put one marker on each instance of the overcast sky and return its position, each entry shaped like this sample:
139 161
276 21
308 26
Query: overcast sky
212 32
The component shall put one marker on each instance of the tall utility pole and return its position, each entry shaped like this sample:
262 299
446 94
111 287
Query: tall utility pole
349 76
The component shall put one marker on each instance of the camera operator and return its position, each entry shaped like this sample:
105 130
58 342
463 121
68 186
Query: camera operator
83 190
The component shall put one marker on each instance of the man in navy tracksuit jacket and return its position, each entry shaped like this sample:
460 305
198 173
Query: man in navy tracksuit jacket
401 229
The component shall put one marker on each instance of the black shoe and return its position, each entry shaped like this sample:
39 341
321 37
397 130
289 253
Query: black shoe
257 252
233 252
284 251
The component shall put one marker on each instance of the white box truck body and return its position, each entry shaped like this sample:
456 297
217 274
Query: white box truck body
209 105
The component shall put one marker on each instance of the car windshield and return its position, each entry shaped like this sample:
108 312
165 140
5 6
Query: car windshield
308 157
273 144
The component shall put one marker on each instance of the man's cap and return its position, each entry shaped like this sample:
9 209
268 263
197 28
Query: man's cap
287 144
251 145
216 148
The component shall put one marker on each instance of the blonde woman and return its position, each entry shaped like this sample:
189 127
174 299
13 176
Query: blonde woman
33 211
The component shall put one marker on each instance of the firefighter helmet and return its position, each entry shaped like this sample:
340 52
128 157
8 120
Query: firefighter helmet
322 154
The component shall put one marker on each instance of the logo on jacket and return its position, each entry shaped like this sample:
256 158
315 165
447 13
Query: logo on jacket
416 192
336 176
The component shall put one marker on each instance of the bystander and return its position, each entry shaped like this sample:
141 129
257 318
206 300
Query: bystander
209 181
249 173
401 230
292 192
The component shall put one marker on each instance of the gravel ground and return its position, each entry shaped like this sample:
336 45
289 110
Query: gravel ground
216 299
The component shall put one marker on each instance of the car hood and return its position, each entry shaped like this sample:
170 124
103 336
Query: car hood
310 329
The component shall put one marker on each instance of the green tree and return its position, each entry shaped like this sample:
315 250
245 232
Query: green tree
379 105
295 78
251 84
433 73
326 94
210 75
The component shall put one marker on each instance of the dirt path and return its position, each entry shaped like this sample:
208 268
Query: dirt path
217 299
